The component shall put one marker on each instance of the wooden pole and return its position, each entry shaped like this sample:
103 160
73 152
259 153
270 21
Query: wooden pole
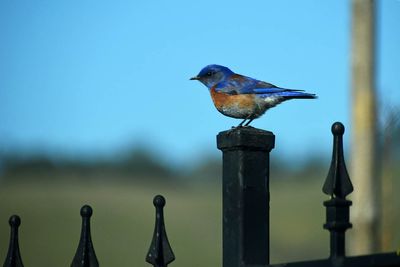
364 174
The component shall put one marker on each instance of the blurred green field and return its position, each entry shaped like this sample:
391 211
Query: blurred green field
123 221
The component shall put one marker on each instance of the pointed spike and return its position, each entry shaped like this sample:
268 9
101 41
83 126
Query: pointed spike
13 258
338 181
85 255
160 253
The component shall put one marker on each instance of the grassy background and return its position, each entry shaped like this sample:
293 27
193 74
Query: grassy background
123 221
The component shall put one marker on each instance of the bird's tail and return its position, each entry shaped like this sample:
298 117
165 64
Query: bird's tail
296 94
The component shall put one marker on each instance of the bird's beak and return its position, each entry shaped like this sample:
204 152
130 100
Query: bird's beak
194 78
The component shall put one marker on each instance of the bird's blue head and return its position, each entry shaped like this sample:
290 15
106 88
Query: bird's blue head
213 74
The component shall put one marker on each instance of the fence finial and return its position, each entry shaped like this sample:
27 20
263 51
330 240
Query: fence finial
338 186
337 182
85 255
160 253
13 258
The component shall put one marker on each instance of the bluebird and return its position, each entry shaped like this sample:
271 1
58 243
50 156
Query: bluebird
242 97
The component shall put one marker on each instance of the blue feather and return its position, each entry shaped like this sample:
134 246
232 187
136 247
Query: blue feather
287 94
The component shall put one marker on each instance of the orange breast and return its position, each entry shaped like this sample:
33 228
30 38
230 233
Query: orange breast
226 100
235 106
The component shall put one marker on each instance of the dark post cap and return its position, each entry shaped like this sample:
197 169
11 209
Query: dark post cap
337 128
246 138
159 201
14 221
86 211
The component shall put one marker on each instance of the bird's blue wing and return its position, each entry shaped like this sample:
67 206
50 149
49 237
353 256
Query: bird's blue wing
287 94
276 90
239 84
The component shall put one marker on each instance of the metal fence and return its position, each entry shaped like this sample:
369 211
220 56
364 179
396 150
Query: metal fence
245 211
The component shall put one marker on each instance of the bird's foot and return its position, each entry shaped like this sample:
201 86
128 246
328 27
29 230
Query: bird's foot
247 124
241 127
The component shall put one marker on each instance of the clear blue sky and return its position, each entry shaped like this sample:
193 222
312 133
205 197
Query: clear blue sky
93 77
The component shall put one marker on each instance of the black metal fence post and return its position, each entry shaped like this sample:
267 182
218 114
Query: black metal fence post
338 186
160 252
85 255
245 196
13 258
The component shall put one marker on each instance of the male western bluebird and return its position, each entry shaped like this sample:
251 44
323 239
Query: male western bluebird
242 97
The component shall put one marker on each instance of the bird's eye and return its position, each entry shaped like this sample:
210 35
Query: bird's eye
209 73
